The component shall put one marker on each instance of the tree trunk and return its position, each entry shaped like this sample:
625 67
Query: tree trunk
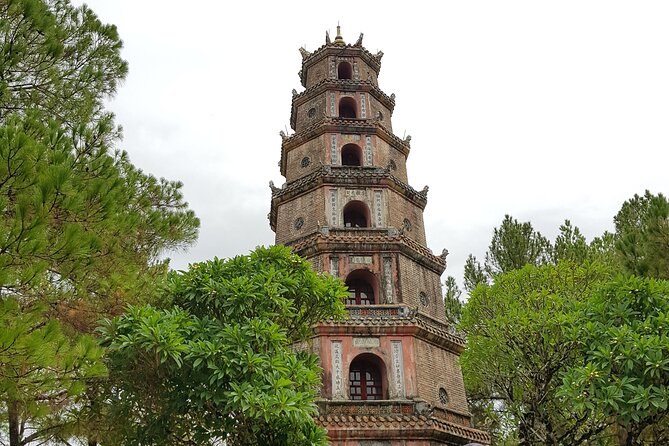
14 423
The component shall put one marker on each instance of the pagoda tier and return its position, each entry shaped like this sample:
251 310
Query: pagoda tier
390 371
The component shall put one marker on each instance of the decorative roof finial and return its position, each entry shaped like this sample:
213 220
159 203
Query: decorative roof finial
327 38
339 40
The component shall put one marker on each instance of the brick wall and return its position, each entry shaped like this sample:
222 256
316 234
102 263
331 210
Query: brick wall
437 368
314 150
309 207
415 279
310 112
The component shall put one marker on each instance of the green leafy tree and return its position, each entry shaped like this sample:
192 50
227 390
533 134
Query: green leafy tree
59 60
474 274
517 352
623 328
82 231
41 368
515 245
218 362
452 301
642 235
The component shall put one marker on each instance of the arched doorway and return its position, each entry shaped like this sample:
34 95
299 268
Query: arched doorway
367 378
356 215
345 70
361 288
351 155
347 108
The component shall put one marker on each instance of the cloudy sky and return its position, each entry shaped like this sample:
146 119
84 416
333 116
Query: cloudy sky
542 110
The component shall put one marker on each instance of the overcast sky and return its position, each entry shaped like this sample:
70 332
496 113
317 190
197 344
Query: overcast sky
542 110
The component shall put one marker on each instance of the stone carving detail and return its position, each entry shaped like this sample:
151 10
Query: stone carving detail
398 369
333 69
444 254
299 222
273 187
407 139
312 112
334 266
333 208
327 38
378 208
388 279
363 106
392 97
423 299
333 151
367 260
368 151
337 372
356 73
332 105
305 161
359 41
283 135
366 342
392 165
305 54
294 92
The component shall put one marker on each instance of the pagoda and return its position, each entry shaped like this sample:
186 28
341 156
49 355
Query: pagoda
391 375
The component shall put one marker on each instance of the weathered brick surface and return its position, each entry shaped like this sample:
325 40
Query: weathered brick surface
309 207
311 112
414 279
317 72
437 368
314 150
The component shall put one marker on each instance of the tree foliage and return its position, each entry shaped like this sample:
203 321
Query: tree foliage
217 362
642 235
57 59
452 302
81 229
623 330
517 351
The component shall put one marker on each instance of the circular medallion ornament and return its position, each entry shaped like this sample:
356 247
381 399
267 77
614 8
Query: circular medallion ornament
312 112
306 161
392 165
443 396
299 222
423 299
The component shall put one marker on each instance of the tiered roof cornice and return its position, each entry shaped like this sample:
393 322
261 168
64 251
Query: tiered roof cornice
342 125
331 49
367 240
383 320
402 427
345 176
342 85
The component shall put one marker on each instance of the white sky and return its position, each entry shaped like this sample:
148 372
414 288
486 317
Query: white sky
542 110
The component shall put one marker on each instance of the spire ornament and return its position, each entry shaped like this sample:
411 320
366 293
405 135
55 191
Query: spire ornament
339 40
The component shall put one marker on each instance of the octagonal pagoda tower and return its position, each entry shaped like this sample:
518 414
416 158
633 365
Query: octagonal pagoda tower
391 375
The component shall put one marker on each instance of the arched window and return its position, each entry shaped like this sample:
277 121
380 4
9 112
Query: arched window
347 108
345 70
361 284
366 378
351 155
356 215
